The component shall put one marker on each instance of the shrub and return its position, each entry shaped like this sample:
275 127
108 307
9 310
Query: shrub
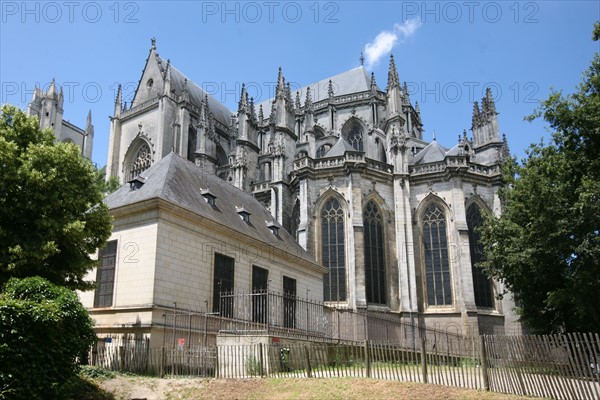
44 330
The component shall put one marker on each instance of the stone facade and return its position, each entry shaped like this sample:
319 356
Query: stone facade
48 107
341 165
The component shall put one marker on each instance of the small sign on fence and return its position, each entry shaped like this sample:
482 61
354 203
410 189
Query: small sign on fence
180 343
107 340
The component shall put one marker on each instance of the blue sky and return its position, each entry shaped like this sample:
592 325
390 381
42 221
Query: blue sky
447 52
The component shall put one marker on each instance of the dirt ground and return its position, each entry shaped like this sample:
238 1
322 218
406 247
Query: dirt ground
129 388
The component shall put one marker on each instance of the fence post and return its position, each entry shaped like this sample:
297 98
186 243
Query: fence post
121 358
484 364
162 362
308 367
423 360
217 372
367 359
262 368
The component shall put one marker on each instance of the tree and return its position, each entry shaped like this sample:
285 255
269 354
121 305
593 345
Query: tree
51 212
546 244
44 329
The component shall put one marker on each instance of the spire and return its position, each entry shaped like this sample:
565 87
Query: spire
417 108
252 109
489 100
52 89
88 121
362 58
505 151
373 83
330 89
308 106
476 115
298 103
185 94
288 96
405 92
280 89
393 79
261 114
243 103
153 43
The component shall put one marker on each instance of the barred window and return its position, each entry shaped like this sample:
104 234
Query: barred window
141 161
289 302
333 251
482 285
260 278
374 254
437 266
223 285
105 275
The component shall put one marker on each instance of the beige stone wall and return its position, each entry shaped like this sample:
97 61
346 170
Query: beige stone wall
185 265
134 271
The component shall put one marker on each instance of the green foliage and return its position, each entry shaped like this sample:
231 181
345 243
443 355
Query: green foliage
51 212
44 329
97 373
546 244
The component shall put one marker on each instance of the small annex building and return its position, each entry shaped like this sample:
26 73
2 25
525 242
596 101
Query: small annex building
182 236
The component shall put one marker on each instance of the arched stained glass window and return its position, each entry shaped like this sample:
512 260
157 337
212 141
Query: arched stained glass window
355 137
482 285
374 254
437 266
141 161
333 251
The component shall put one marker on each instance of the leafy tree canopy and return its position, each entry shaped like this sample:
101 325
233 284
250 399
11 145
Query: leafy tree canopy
44 330
546 244
51 212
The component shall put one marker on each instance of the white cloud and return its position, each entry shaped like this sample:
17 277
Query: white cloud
386 40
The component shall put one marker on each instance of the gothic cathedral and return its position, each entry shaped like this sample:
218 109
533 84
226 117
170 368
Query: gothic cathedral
342 165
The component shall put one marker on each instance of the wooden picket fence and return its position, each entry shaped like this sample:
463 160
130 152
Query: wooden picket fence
553 366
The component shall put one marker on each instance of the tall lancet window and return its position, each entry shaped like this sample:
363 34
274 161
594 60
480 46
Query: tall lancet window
374 254
141 161
437 266
333 251
355 137
482 285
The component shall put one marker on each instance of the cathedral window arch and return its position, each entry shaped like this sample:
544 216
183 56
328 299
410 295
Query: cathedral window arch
482 284
374 254
333 250
435 252
353 133
140 160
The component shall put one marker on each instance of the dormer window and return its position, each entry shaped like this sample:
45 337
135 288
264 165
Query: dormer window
273 228
244 215
209 197
136 182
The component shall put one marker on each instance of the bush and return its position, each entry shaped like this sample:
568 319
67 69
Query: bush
44 330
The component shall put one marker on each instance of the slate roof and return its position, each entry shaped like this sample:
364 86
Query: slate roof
351 81
339 148
219 110
433 152
180 182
